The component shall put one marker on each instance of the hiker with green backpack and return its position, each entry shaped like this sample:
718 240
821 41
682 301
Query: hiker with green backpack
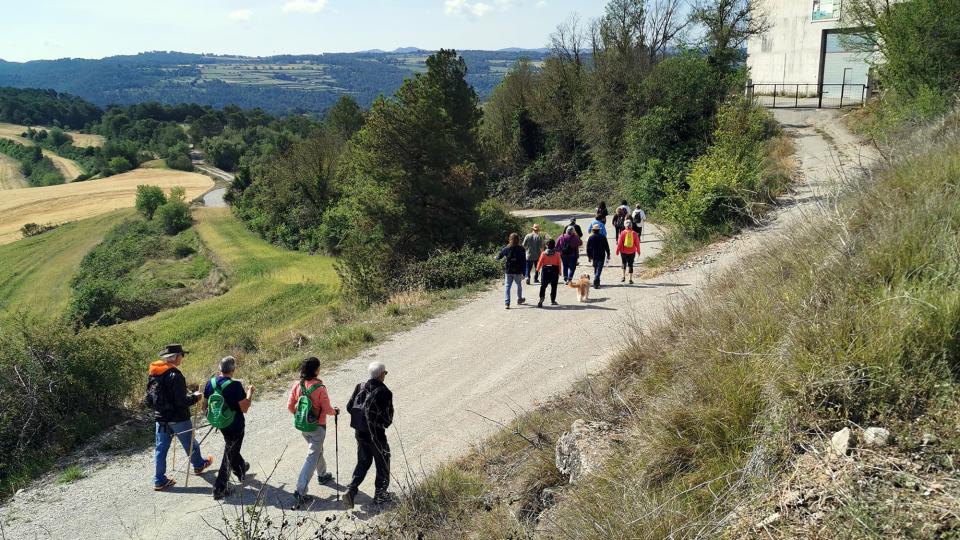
309 403
225 402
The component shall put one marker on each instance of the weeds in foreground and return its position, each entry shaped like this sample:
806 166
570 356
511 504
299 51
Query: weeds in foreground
71 474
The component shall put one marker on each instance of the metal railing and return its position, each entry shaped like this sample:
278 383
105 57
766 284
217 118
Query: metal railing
808 95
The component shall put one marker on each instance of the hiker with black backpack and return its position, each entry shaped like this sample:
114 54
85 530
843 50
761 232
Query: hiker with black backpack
371 413
310 404
225 404
514 264
568 245
167 396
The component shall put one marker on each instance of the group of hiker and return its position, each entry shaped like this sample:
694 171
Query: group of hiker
225 401
547 259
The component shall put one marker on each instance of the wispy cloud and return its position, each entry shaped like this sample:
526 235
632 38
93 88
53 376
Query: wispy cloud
475 9
304 6
240 15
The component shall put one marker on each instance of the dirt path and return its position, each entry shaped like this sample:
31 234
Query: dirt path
475 360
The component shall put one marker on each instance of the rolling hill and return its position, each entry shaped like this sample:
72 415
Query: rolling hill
278 84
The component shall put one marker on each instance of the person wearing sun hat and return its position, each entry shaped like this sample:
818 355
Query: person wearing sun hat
533 246
167 395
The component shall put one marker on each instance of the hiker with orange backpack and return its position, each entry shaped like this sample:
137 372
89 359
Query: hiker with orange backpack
310 404
628 247
167 396
225 404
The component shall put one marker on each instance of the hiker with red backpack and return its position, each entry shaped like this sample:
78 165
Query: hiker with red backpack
225 404
167 396
371 413
310 404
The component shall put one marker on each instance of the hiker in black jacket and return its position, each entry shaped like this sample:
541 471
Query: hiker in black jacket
371 413
167 395
598 252
514 267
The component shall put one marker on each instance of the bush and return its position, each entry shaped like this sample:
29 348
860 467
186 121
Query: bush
450 269
119 165
57 388
495 223
149 198
174 215
33 229
180 162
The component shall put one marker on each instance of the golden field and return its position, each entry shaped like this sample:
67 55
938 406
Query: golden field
70 202
10 176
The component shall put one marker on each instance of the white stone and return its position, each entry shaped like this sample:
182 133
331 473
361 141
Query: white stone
876 437
840 443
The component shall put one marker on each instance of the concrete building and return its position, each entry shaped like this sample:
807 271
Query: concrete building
804 49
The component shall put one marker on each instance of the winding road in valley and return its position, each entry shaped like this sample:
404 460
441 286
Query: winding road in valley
452 377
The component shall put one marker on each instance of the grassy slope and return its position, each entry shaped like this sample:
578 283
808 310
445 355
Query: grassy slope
36 271
853 321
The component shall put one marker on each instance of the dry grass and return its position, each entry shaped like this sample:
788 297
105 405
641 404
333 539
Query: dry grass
70 202
10 176
80 140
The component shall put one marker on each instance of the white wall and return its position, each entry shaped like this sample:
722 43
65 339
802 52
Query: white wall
790 51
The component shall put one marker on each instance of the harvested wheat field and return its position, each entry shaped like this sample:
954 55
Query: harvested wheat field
69 202
13 131
10 176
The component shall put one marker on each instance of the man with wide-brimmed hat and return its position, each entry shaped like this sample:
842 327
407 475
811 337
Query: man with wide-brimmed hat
167 395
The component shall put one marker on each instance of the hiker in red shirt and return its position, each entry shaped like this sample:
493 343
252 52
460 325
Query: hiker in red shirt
549 268
628 247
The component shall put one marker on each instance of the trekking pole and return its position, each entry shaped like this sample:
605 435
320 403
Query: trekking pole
336 450
193 437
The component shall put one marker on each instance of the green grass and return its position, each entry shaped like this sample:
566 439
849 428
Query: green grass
71 474
36 271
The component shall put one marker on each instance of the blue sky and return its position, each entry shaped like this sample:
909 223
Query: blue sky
43 29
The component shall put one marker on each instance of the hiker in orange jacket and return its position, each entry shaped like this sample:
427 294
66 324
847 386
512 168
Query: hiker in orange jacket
311 386
628 247
549 268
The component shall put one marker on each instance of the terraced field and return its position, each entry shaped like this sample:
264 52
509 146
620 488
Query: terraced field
70 202
69 168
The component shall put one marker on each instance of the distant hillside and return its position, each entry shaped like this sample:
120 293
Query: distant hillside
278 84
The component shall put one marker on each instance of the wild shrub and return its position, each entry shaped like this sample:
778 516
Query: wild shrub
450 269
726 187
57 388
33 229
174 215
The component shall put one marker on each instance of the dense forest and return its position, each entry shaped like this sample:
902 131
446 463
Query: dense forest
19 106
278 84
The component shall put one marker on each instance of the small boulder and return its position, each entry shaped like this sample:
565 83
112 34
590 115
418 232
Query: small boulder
876 437
839 443
582 450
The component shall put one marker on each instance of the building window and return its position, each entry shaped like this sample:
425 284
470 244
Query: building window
825 10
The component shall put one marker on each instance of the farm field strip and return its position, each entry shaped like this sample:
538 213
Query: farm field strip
70 202
10 176
80 140
69 168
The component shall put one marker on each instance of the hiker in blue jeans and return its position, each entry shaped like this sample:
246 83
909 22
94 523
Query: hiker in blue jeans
598 252
167 395
514 267
568 245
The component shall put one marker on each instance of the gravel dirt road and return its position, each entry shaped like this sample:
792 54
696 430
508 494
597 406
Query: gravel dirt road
478 359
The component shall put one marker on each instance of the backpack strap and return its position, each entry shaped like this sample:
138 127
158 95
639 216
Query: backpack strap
304 391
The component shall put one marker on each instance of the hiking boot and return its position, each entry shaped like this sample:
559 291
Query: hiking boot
540 303
246 467
631 281
299 501
206 465
507 306
537 280
348 499
220 495
522 301
622 279
528 281
324 478
554 303
383 498
167 482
